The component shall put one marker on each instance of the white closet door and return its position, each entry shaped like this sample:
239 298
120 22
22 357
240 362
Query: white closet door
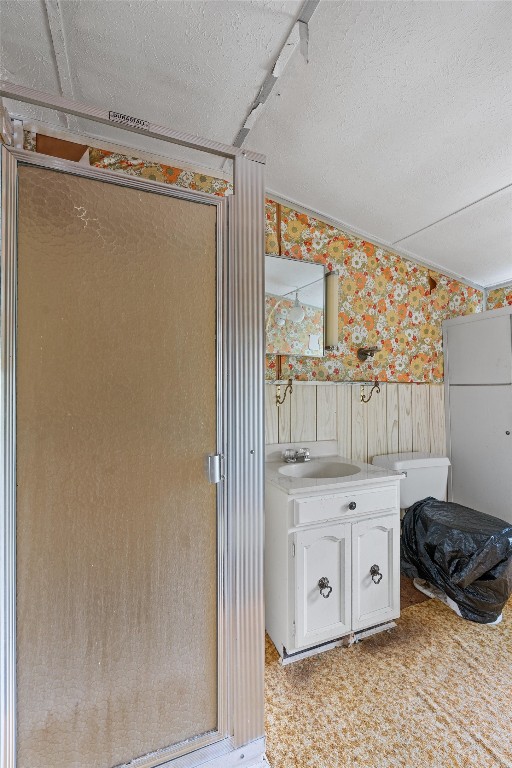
481 449
480 351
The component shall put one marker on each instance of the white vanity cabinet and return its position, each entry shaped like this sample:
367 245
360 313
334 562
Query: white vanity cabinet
332 560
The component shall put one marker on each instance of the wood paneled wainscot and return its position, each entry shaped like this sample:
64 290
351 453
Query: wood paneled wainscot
402 417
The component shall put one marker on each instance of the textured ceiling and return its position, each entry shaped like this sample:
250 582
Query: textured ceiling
193 66
401 118
475 242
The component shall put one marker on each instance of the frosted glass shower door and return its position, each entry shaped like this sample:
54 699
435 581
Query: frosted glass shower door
116 403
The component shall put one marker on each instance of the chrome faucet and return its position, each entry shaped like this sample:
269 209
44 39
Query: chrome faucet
303 454
291 455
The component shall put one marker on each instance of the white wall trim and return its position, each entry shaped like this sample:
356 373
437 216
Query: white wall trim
496 286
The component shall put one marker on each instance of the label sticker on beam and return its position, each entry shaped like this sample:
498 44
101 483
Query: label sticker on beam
135 122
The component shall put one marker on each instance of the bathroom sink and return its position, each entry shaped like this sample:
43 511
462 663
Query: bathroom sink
319 469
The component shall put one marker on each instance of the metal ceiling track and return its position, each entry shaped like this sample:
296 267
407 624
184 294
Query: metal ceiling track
301 37
120 120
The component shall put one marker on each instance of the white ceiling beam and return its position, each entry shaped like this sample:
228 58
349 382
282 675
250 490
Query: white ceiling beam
60 55
299 33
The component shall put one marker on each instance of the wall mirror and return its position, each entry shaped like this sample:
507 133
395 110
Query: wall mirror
294 307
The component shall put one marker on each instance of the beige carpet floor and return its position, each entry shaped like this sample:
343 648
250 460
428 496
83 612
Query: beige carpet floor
409 595
435 692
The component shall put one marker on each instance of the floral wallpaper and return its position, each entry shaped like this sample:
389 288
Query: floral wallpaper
134 166
385 300
29 140
288 338
499 297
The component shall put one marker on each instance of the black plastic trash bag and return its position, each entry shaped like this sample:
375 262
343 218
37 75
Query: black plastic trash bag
465 553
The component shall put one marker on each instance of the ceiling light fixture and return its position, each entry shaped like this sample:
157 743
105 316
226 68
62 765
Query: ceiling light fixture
297 312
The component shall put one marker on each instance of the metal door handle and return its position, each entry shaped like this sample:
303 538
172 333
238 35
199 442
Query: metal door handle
213 468
375 574
323 584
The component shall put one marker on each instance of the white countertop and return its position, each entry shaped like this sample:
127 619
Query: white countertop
367 474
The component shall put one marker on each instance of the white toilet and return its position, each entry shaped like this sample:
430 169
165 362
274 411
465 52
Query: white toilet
426 475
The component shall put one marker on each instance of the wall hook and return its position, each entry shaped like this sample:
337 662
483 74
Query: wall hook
375 388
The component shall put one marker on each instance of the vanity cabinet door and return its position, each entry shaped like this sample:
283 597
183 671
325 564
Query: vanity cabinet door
322 584
375 571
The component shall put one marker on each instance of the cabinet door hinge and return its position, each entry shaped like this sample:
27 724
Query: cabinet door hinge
293 550
293 629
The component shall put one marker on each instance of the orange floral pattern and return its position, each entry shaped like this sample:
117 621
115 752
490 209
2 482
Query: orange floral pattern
168 174
500 297
29 140
384 300
271 241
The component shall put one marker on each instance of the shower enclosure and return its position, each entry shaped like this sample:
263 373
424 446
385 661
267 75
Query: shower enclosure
132 348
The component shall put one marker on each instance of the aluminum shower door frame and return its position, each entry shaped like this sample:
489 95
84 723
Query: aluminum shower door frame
240 372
